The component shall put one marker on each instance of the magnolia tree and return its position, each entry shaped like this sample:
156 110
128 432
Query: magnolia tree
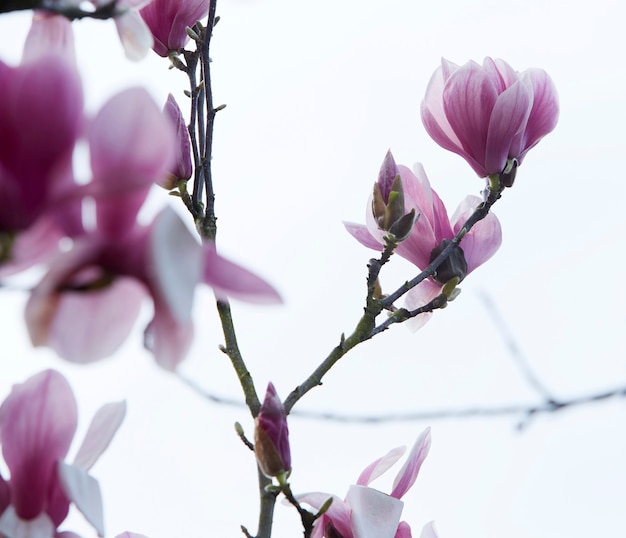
101 263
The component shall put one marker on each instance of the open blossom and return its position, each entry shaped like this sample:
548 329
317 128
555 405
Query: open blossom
37 423
168 20
489 114
271 436
432 227
367 512
87 303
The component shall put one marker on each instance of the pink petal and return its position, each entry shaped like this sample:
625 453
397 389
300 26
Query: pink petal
361 233
374 514
47 34
229 279
168 338
12 525
130 535
469 97
131 147
485 237
545 110
404 530
38 423
419 296
408 474
432 110
378 467
102 429
35 245
338 512
84 491
29 118
92 325
508 120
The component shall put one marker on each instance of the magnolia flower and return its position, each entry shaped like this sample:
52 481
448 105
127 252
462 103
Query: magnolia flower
169 19
87 303
367 512
271 436
431 228
37 423
490 115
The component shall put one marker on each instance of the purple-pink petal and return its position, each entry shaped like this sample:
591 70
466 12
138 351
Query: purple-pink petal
168 338
38 422
468 99
485 237
131 147
168 19
404 530
103 427
379 466
49 33
408 474
361 233
229 279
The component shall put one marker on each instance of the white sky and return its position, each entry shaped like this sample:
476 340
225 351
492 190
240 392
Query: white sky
316 94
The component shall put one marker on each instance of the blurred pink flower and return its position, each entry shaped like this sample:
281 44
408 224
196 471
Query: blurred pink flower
41 113
431 228
271 436
87 303
367 512
37 423
168 20
489 114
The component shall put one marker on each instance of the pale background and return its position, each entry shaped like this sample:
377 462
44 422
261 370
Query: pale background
316 93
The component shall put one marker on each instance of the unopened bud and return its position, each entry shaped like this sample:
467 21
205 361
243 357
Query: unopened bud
271 436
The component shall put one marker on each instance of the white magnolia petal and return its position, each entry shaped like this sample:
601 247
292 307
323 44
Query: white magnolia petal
84 491
102 429
15 527
374 514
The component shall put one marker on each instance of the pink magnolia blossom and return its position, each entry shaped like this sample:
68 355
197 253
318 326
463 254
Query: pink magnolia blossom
429 230
271 436
41 114
489 114
367 512
37 423
87 303
168 20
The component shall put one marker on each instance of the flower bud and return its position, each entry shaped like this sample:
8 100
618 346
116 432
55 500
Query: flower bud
181 168
271 436
388 201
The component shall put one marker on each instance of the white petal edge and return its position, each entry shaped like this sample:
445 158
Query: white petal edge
102 429
84 491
